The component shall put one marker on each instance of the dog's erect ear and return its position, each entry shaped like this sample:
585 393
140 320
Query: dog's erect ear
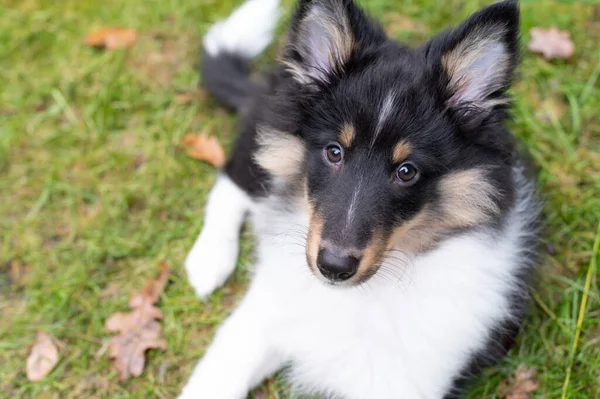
476 61
324 36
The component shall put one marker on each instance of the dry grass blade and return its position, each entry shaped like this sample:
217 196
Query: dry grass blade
592 269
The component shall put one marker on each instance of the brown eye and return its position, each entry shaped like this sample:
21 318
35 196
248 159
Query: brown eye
407 173
334 154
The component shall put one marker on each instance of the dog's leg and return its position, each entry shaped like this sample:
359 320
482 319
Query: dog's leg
214 254
239 358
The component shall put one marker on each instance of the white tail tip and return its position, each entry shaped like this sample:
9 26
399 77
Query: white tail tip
246 32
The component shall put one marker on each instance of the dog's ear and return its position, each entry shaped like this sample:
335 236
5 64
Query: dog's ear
324 36
476 61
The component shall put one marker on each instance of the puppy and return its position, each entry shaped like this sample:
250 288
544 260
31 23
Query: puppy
395 224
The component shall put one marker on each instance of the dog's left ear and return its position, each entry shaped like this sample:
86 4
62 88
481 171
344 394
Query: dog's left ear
324 36
476 61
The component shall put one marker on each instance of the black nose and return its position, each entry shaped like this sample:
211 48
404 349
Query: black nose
336 267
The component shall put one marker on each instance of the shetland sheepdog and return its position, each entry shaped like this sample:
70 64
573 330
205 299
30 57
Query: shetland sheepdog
396 223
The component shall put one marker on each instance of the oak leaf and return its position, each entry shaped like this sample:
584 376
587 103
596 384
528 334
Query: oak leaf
521 385
111 38
204 148
43 357
552 43
138 329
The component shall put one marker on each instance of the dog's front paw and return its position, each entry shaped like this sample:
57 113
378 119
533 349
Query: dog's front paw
210 262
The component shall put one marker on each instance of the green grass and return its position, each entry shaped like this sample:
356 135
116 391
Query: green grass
95 192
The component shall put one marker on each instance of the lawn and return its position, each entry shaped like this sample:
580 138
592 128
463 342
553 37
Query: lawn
95 191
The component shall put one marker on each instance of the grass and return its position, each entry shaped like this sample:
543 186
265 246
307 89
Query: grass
95 192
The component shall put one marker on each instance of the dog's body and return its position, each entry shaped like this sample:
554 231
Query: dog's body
395 225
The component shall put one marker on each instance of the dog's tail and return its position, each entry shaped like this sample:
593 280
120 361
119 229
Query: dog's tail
230 45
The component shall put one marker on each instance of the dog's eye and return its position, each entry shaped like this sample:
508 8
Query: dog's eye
334 154
407 173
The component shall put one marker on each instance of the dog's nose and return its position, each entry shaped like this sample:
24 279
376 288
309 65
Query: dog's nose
336 267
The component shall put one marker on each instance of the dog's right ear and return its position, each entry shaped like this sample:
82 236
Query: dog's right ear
324 36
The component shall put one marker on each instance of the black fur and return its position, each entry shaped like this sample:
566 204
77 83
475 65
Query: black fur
445 136
226 77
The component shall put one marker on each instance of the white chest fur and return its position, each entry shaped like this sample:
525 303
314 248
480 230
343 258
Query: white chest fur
407 332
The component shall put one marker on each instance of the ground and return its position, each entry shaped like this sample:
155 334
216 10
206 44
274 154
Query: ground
95 192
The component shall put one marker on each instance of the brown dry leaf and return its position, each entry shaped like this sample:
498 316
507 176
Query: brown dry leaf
521 385
552 43
204 148
111 38
138 329
395 22
43 357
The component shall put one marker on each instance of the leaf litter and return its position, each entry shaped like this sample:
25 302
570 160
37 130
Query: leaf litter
138 329
204 148
551 43
521 385
43 357
111 38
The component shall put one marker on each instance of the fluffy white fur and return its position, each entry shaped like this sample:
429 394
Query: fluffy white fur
400 335
246 32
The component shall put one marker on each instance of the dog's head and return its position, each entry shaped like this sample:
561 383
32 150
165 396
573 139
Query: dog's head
394 148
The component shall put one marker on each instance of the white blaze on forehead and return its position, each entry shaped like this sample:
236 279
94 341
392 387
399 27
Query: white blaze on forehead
353 203
384 114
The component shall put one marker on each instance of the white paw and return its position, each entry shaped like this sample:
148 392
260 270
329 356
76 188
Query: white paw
210 262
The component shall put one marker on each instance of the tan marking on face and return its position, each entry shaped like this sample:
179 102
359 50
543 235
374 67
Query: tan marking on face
416 235
467 201
313 241
467 198
371 256
347 135
401 151
279 153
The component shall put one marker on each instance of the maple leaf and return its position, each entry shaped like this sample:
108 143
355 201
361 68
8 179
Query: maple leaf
43 357
552 43
111 38
138 330
521 385
204 148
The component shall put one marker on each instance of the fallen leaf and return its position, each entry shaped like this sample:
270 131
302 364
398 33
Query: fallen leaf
552 43
521 385
138 330
204 148
111 38
43 357
395 22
